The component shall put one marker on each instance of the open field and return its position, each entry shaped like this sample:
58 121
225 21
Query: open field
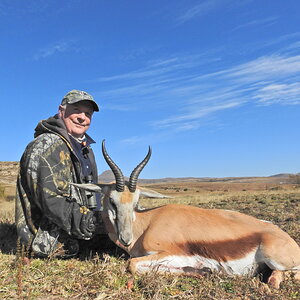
102 274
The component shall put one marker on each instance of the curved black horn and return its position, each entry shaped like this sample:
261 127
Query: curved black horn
116 170
136 172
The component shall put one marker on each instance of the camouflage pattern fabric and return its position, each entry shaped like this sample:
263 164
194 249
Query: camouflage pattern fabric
49 211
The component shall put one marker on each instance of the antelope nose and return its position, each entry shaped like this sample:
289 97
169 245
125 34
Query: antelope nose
126 241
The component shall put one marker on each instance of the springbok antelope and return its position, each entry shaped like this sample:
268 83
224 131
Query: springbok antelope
190 240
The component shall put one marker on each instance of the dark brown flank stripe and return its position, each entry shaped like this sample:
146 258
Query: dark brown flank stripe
223 250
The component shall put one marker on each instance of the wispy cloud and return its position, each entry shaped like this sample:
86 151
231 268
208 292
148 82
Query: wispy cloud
206 7
198 10
55 48
266 67
257 23
135 140
156 68
15 8
279 93
187 95
294 47
190 119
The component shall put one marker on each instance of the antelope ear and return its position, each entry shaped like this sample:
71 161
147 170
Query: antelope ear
97 188
151 194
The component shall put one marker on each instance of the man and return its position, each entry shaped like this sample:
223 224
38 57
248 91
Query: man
52 216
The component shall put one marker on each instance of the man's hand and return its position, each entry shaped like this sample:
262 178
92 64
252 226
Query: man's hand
88 224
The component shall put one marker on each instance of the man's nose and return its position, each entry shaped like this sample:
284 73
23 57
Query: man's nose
82 116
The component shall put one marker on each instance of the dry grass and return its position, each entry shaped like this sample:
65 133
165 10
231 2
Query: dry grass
7 192
104 275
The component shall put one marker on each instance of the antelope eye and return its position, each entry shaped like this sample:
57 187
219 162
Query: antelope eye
113 205
113 211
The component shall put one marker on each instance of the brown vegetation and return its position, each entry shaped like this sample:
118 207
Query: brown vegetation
102 274
8 171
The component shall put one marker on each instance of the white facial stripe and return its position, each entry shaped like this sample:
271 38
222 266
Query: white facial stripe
112 215
112 218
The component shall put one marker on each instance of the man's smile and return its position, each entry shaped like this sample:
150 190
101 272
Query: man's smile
80 124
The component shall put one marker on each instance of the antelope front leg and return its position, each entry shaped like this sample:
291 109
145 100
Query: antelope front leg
147 263
275 279
164 262
278 276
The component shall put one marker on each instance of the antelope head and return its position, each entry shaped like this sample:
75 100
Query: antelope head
121 198
121 201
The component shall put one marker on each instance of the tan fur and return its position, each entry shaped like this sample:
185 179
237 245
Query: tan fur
215 234
126 197
177 226
191 239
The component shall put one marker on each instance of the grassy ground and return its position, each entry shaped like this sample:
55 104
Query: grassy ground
102 274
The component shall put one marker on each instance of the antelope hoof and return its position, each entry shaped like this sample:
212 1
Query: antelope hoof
275 279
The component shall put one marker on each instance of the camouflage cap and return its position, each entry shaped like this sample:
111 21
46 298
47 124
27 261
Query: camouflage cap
75 96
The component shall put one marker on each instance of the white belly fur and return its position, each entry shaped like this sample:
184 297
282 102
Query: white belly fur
175 264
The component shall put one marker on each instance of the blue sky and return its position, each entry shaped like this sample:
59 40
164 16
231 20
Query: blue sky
213 86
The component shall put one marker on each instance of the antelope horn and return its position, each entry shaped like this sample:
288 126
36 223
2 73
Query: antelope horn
116 170
136 172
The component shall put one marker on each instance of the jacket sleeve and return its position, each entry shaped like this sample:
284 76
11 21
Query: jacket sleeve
57 201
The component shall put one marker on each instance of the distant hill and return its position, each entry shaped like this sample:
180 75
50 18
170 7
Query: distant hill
108 176
9 172
282 175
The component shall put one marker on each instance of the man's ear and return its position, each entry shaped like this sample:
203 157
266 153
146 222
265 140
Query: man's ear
60 110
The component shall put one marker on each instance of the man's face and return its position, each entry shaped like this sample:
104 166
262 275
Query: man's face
77 117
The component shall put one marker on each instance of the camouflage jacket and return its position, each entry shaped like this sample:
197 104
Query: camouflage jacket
47 206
